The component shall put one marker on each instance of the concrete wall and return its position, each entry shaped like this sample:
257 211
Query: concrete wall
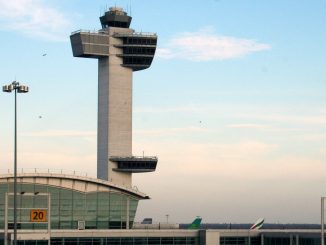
209 237
114 112
212 237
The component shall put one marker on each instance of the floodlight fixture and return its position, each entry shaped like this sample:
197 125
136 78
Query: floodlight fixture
7 88
22 89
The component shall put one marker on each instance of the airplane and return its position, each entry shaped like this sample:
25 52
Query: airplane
258 224
195 224
147 221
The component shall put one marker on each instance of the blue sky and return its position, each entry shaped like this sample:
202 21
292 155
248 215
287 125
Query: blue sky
234 103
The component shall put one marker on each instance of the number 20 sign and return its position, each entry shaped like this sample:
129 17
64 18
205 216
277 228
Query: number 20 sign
38 215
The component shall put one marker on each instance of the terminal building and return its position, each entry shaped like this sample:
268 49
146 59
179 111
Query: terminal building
61 208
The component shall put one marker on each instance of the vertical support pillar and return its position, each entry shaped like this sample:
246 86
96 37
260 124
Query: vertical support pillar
249 237
127 213
322 221
297 240
103 120
49 218
262 239
6 220
209 237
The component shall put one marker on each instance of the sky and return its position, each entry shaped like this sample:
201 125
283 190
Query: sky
234 104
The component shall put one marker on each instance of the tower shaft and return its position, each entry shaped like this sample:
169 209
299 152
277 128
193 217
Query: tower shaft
114 118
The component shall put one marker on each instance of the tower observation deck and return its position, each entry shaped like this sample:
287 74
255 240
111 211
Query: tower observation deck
120 51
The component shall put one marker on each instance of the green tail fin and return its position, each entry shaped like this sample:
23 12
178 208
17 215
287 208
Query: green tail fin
195 224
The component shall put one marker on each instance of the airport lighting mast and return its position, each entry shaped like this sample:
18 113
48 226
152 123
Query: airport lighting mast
120 51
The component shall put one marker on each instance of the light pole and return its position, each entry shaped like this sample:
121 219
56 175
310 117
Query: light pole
322 221
17 89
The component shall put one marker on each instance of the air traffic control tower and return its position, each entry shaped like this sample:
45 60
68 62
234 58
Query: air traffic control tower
120 51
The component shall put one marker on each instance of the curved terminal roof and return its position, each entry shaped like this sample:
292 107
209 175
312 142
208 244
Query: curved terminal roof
69 181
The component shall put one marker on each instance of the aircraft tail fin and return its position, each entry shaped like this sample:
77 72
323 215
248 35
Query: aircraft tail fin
195 224
258 224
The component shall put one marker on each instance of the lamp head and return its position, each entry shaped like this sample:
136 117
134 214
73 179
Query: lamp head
7 88
22 89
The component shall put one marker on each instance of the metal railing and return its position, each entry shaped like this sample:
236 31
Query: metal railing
135 34
117 34
90 32
134 157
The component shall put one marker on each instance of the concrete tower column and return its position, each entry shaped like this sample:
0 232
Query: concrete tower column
114 118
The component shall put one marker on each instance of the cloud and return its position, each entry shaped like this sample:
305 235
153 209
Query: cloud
282 117
253 113
169 131
89 136
206 45
312 136
248 126
263 127
158 110
251 160
60 133
54 162
33 18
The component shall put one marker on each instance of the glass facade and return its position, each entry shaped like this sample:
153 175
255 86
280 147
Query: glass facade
240 240
168 241
128 241
99 210
309 241
277 240
290 240
115 241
